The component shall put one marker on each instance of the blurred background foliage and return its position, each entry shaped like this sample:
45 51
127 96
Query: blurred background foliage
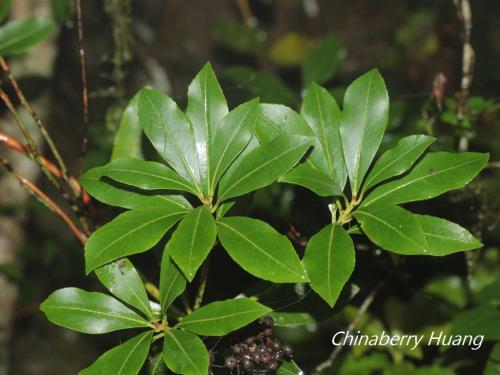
274 49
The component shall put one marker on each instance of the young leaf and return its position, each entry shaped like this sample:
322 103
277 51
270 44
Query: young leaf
172 282
222 317
444 237
132 232
392 228
398 159
125 359
89 312
19 35
289 368
276 119
329 261
323 115
128 137
262 166
231 137
123 281
323 61
185 353
170 132
192 241
309 176
206 108
364 119
434 175
260 250
114 195
148 175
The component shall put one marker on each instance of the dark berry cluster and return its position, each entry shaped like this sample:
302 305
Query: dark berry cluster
259 352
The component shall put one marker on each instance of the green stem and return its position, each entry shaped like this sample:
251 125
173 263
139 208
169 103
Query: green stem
203 283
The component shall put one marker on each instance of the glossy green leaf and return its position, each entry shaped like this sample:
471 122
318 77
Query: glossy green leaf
170 132
309 176
323 115
260 250
480 321
262 166
292 319
222 317
5 6
157 365
435 174
289 368
113 194
393 228
192 241
89 312
206 108
129 135
123 281
329 261
172 282
398 159
132 232
185 353
18 35
125 359
364 119
148 175
231 137
277 119
444 237
323 61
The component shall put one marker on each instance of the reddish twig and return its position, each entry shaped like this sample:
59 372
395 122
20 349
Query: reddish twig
44 199
83 73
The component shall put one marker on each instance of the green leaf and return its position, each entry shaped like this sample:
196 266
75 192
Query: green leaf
231 137
132 232
307 175
192 241
222 317
292 319
260 250
277 119
89 312
19 35
125 359
262 166
240 37
148 175
364 119
129 135
114 195
329 261
5 6
323 61
393 228
434 175
289 368
157 365
170 132
185 353
123 281
206 108
480 321
444 237
172 282
492 367
323 115
398 159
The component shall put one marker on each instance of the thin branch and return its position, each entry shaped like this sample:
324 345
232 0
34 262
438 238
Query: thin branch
361 311
83 73
246 12
44 199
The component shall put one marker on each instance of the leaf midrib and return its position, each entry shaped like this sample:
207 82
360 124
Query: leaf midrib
150 175
220 317
132 351
97 312
182 349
